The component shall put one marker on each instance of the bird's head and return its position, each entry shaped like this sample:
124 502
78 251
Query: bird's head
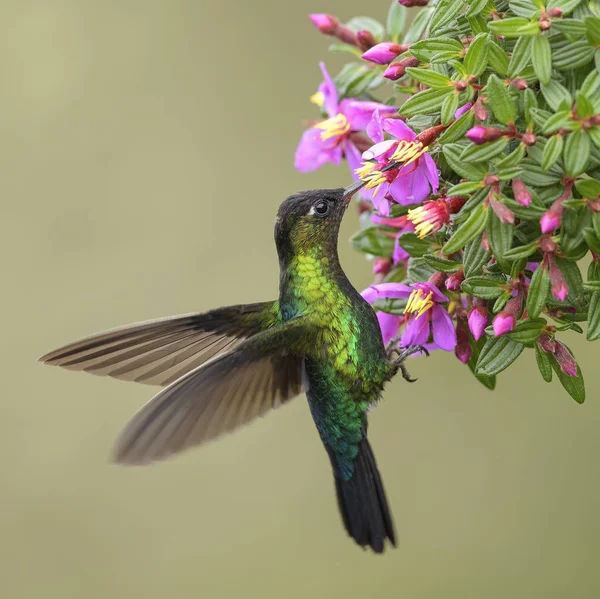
310 220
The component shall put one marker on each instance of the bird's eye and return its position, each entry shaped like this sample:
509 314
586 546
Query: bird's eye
321 208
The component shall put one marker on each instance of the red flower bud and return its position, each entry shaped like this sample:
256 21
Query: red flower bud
454 281
503 212
480 135
554 12
519 84
365 39
565 359
521 192
410 3
529 139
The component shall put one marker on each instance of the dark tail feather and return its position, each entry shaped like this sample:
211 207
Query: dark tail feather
362 501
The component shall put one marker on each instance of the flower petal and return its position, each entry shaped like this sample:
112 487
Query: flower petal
432 172
379 149
375 128
329 91
312 152
437 296
417 330
386 291
352 154
359 114
444 334
389 325
399 129
400 253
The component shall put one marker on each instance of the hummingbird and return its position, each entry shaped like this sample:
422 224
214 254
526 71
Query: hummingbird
223 368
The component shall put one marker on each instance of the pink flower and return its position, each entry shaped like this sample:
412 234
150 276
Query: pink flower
384 53
480 135
416 177
550 221
324 23
477 319
398 69
329 140
430 217
503 323
463 109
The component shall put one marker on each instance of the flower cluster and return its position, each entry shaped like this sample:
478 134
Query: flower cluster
476 133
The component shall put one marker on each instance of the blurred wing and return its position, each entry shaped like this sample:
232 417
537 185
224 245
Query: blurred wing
158 352
216 398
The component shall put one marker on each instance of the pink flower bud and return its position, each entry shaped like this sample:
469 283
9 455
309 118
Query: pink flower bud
454 281
554 12
398 69
326 24
463 349
521 192
480 110
480 135
365 39
550 221
503 212
519 84
560 289
478 319
503 323
546 343
529 139
462 110
383 53
381 266
565 359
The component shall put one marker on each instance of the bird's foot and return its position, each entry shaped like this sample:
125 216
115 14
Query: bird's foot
402 355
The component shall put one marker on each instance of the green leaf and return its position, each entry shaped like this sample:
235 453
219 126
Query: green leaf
593 243
573 385
592 285
500 236
541 56
588 188
593 329
418 26
425 102
483 287
497 354
527 331
413 245
472 227
514 27
476 58
464 188
498 59
522 251
533 174
585 108
396 20
521 56
557 96
438 44
576 153
475 7
574 281
573 30
444 13
556 121
372 242
472 171
538 291
429 77
591 84
483 152
442 264
592 30
449 106
458 129
524 8
543 363
567 6
474 257
502 104
552 151
368 24
567 55
476 347
510 160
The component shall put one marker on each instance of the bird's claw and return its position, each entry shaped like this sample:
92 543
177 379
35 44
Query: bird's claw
402 355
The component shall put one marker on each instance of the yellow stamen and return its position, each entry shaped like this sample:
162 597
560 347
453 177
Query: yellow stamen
408 151
335 126
419 302
423 221
318 98
368 172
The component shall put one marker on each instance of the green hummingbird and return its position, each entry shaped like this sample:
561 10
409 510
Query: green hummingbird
222 369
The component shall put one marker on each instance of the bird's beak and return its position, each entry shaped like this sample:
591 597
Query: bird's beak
352 189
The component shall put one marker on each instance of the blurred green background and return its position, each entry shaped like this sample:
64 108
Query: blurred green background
145 149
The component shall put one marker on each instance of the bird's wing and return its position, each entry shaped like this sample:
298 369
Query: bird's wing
261 374
158 352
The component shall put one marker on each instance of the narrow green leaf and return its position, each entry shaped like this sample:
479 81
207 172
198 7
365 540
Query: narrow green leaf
449 107
593 329
524 8
476 347
413 245
557 95
556 121
521 56
483 152
498 59
472 171
441 264
567 6
585 108
429 77
464 188
576 153
592 30
472 227
588 188
552 151
502 104
425 102
573 385
483 287
475 7
541 56
474 257
445 12
418 26
574 281
497 354
396 20
368 24
543 363
372 242
510 160
567 55
527 331
458 129
476 58
522 251
514 27
500 236
533 174
538 291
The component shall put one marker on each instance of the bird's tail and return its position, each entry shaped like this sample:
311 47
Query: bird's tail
362 501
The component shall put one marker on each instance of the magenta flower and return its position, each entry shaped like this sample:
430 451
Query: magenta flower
411 183
463 109
423 316
324 23
383 53
329 140
480 135
550 221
